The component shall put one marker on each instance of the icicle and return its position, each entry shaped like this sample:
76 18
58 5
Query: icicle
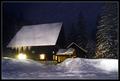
19 49
15 48
29 47
24 48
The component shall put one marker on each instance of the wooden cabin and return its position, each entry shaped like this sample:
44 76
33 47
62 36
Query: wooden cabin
39 42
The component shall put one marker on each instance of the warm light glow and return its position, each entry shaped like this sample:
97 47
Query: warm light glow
42 56
55 57
22 56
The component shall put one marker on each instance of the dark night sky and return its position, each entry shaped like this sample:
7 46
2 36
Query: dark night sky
36 13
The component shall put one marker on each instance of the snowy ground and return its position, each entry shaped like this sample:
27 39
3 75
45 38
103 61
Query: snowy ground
71 68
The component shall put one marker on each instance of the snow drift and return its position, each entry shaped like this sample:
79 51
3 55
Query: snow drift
11 64
12 61
77 64
71 68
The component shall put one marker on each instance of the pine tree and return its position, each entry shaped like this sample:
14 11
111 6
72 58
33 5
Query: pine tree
106 37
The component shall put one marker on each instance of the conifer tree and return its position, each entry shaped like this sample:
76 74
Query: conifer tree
107 29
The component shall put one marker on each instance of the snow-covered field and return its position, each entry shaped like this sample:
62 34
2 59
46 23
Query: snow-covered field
71 68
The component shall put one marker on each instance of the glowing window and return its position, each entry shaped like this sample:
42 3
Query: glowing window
42 56
22 56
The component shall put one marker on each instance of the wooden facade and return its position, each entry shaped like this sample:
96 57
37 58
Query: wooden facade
60 57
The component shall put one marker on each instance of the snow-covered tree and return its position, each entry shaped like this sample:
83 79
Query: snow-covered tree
107 29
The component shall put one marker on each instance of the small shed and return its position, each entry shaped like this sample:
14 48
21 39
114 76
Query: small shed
62 54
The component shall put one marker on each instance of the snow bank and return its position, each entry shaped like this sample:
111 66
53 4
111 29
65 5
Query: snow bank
17 61
107 64
71 64
71 68
19 65
77 64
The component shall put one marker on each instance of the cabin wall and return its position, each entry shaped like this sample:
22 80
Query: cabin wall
61 58
34 52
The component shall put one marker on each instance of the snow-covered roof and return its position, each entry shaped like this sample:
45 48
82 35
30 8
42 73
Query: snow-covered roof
65 51
36 35
77 46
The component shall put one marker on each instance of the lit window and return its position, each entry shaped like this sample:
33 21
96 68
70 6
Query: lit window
22 56
55 57
42 56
